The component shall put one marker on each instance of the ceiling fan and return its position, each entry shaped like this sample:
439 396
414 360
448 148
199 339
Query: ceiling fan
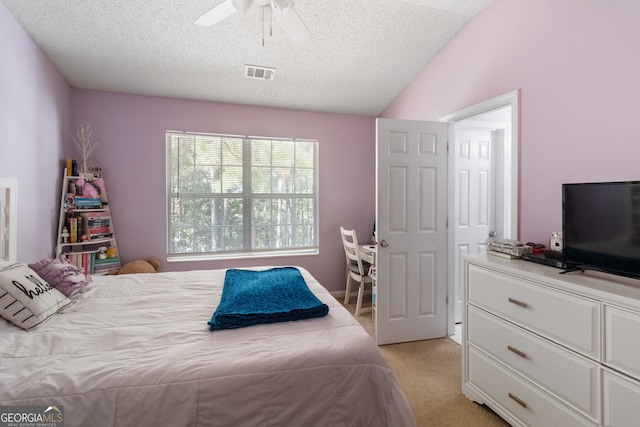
281 10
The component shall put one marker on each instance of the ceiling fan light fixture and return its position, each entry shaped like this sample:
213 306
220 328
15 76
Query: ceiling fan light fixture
259 73
242 5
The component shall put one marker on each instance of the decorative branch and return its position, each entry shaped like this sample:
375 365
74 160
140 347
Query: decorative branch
85 145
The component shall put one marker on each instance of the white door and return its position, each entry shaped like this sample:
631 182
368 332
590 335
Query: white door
502 115
411 225
474 203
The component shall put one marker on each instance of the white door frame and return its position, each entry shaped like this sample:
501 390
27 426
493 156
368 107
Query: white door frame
511 99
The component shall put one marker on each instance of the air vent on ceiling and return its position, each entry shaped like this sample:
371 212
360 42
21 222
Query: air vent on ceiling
260 73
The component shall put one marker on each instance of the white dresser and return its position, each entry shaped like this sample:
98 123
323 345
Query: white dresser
545 349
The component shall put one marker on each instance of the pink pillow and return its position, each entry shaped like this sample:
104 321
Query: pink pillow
62 275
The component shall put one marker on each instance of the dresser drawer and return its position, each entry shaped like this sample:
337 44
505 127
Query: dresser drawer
566 318
620 400
622 340
522 400
565 374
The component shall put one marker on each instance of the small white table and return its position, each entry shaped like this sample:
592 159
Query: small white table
368 253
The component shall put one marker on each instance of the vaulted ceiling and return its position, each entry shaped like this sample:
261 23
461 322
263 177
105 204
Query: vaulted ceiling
360 56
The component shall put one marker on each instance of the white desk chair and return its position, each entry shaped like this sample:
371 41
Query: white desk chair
357 269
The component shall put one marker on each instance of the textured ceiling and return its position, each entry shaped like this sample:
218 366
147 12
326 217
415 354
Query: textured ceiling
361 55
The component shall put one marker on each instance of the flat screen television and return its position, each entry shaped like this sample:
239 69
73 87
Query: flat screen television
601 227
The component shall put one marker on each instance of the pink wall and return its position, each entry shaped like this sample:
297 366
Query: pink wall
576 63
34 118
130 132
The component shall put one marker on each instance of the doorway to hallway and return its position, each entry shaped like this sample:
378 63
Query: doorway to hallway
483 184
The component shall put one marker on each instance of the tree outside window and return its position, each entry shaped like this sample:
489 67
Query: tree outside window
239 196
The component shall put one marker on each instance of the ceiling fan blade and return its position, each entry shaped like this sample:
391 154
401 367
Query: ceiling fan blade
217 14
222 11
291 23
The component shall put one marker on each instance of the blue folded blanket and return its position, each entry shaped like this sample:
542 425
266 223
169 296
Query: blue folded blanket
252 297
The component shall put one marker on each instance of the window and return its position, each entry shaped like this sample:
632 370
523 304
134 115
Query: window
232 196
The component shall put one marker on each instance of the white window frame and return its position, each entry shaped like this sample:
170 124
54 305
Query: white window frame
248 198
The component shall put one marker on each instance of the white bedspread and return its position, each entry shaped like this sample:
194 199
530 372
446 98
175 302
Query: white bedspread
136 350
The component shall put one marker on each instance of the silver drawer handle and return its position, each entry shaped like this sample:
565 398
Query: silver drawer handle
516 302
516 351
518 401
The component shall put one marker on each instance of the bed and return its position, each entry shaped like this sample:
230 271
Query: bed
136 350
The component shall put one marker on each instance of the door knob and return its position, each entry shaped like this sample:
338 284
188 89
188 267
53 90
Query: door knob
384 243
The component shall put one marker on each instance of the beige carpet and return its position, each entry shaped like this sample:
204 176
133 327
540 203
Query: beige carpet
430 375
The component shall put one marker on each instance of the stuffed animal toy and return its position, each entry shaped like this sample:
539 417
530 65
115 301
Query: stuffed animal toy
99 182
88 190
150 265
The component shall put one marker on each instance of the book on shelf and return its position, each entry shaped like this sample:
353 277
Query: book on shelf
84 227
93 263
98 230
98 215
88 202
100 236
81 260
100 227
98 223
73 229
86 262
72 167
106 268
80 228
90 264
107 261
73 202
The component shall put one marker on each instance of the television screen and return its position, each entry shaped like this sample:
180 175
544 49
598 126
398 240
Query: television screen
601 227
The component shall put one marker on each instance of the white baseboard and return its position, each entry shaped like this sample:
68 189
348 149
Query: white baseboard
339 295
